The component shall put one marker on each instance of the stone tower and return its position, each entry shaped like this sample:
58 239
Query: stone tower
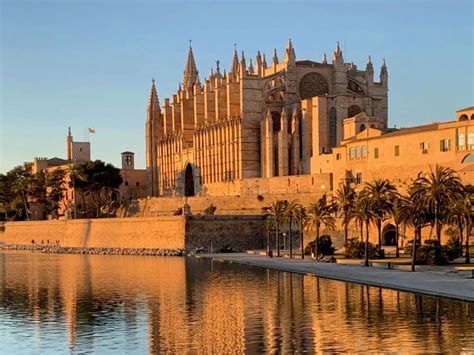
128 161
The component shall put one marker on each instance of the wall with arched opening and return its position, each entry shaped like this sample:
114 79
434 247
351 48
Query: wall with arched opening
389 234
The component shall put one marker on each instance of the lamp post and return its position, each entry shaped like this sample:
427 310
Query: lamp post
284 241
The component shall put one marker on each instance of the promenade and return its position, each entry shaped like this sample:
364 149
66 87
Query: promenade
433 281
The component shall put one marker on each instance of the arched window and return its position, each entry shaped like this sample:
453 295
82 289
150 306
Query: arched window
461 141
470 141
126 183
313 84
352 153
353 110
138 184
358 152
364 151
463 118
332 127
362 127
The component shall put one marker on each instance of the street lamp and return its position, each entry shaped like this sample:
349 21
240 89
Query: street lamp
284 241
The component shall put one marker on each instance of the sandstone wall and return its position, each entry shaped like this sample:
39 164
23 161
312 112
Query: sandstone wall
162 232
242 232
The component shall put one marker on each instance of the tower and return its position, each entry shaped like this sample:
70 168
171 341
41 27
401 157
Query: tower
128 161
151 129
69 145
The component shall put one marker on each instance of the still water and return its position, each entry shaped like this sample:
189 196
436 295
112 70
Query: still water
135 304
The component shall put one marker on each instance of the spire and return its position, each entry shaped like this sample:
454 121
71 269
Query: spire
264 62
324 60
275 56
242 60
289 52
251 67
190 72
69 132
337 56
369 66
384 74
235 61
153 99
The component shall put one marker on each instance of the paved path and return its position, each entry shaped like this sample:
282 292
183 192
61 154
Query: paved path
443 282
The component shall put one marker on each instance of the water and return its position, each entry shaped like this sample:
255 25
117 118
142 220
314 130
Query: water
130 304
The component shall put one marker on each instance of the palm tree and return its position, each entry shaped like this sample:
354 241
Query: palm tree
435 189
416 215
456 214
268 226
468 211
301 218
345 196
291 210
76 175
357 214
276 211
398 216
380 192
21 187
366 215
321 213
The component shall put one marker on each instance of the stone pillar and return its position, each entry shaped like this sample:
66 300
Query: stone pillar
283 145
295 143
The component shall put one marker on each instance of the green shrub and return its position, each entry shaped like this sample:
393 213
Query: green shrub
452 249
429 253
355 249
325 246
210 210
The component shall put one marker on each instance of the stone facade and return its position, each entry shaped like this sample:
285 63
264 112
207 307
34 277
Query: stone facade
255 122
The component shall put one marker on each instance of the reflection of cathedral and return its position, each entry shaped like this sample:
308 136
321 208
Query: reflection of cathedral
257 121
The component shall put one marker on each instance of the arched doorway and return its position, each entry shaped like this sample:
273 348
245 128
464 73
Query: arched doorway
115 196
389 235
189 181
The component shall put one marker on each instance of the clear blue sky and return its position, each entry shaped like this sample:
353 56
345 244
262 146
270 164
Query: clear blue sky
90 63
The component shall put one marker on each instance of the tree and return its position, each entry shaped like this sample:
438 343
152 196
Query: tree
345 196
380 192
365 214
77 180
268 227
291 211
55 190
320 213
276 211
301 218
100 180
6 195
416 215
20 186
398 216
436 188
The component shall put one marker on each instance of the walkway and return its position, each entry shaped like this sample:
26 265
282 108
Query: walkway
442 282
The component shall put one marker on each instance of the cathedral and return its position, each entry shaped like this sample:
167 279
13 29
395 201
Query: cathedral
259 120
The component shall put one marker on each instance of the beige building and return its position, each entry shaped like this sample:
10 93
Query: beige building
133 186
257 121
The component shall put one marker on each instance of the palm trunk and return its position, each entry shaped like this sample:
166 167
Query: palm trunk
301 241
438 230
397 249
366 263
361 233
268 243
25 203
461 233
289 239
316 247
345 233
468 256
379 231
413 252
277 242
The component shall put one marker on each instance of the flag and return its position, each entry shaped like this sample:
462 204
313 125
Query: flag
91 130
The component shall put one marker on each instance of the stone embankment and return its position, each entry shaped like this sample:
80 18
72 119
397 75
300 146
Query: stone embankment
53 249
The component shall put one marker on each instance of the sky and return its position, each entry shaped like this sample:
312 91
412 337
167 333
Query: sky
83 63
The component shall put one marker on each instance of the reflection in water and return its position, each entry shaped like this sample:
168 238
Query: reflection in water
169 304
